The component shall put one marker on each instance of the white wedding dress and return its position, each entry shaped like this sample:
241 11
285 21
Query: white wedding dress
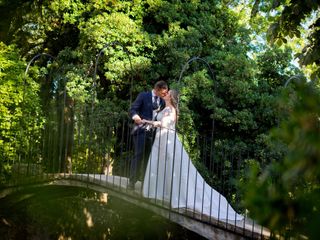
171 176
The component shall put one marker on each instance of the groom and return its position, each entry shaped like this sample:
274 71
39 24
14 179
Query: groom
146 106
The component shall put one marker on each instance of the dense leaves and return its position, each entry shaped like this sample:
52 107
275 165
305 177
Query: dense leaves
137 43
290 19
20 112
285 196
141 42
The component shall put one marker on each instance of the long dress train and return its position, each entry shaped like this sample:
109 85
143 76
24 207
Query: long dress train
168 160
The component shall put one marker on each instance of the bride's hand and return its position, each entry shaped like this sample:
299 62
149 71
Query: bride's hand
153 123
156 124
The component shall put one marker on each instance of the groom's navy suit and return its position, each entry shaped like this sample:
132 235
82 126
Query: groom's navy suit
142 137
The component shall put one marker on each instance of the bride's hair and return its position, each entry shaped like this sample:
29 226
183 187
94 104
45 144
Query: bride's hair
174 95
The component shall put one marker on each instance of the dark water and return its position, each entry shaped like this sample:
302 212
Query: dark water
54 212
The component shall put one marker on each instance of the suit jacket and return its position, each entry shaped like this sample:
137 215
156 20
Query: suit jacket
142 106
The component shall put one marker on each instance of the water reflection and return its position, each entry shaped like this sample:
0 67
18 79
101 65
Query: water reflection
54 212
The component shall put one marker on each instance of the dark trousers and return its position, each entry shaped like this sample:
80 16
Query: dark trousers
142 141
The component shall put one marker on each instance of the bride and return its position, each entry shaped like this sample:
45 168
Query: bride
171 176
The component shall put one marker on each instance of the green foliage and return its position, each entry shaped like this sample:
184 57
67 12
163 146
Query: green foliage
20 113
159 37
290 19
284 196
140 42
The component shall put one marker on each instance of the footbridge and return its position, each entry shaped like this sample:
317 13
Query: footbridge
117 186
89 146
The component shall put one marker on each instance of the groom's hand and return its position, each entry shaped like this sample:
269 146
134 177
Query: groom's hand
137 119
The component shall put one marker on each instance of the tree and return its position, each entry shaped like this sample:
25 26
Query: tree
160 37
284 195
291 19
20 112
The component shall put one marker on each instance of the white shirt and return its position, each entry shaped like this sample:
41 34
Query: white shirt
154 112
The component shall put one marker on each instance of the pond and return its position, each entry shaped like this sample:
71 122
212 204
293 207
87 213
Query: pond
55 212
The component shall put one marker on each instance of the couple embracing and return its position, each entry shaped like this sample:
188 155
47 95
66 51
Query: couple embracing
170 176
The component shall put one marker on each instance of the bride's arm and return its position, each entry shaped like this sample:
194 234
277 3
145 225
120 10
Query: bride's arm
169 117
153 123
